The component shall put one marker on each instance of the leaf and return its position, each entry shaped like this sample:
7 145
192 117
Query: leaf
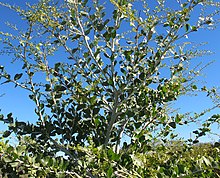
107 36
196 132
137 161
106 55
88 31
59 88
206 161
6 133
166 24
113 33
6 159
113 156
194 28
166 133
142 76
56 41
187 26
83 13
20 125
172 124
76 37
184 4
20 149
74 50
47 87
128 54
194 87
63 22
106 21
96 111
1 117
18 76
123 71
195 141
109 172
178 119
14 164
100 27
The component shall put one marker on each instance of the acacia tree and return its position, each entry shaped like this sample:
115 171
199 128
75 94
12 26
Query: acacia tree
102 81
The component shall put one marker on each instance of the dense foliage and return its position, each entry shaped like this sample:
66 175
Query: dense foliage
173 160
102 81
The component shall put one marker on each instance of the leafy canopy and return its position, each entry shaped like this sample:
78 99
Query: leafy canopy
102 76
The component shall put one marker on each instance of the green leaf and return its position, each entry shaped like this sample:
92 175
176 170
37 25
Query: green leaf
56 41
166 24
178 118
208 22
47 87
96 111
184 4
194 28
128 54
194 87
187 26
88 31
63 22
196 132
76 37
74 50
18 76
59 88
172 124
110 171
83 13
206 161
195 141
166 133
20 149
6 133
142 76
123 71
100 27
1 117
113 34
107 36
14 164
106 21
6 159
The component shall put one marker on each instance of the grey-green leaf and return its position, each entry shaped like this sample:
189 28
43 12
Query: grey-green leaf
18 76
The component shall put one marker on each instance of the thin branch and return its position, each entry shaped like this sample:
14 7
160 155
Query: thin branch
30 75
112 120
86 41
121 131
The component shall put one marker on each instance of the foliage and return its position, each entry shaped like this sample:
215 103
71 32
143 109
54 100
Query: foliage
175 159
102 84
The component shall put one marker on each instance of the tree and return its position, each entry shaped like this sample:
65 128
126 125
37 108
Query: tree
104 100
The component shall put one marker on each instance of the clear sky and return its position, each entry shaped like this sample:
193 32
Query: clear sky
16 100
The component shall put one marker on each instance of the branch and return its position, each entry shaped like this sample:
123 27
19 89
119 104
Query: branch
74 157
114 116
215 169
30 75
121 131
86 41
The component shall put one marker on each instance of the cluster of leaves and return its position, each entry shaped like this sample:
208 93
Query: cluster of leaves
175 159
101 92
16 161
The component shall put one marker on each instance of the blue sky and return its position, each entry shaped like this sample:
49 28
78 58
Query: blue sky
16 100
